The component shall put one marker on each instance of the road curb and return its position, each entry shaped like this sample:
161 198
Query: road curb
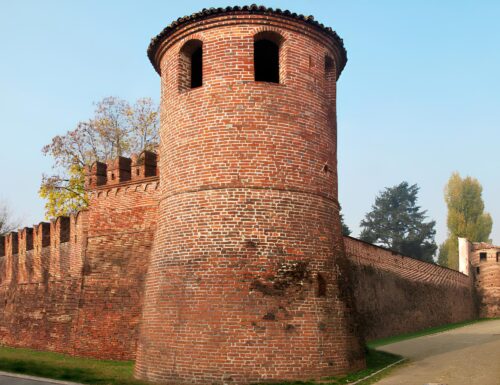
379 371
40 379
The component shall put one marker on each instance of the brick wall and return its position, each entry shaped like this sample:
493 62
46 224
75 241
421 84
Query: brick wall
122 225
397 294
245 282
486 273
75 285
39 293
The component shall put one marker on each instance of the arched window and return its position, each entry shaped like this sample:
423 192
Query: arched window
191 65
267 57
329 66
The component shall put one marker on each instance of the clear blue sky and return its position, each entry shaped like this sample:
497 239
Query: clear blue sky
419 98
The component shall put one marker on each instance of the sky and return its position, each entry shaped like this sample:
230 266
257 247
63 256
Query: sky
418 99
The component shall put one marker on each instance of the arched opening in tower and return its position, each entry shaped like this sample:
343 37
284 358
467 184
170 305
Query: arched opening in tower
266 61
191 65
197 68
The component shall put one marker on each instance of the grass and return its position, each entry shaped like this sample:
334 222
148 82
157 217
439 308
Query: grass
63 367
421 333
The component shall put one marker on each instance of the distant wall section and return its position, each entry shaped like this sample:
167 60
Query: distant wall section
397 294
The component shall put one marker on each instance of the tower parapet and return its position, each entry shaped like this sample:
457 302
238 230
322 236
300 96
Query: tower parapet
248 267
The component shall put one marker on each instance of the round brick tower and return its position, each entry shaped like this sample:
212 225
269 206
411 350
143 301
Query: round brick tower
247 281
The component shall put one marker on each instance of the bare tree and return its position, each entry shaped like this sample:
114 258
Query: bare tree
7 222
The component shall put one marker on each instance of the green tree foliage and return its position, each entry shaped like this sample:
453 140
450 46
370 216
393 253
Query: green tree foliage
396 222
466 217
345 229
117 128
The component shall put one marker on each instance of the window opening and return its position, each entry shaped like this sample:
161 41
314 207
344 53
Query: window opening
267 60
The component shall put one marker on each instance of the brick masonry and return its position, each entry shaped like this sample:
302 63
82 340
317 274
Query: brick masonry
397 294
221 260
75 285
248 223
485 270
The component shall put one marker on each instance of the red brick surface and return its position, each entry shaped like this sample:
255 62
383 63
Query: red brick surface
248 216
487 279
79 287
397 294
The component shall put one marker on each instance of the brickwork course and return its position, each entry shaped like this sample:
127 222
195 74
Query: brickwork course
220 260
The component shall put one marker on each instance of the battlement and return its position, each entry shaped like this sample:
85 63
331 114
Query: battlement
43 250
121 170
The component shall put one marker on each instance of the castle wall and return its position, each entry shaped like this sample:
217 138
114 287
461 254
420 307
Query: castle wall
75 285
397 294
38 293
235 270
122 225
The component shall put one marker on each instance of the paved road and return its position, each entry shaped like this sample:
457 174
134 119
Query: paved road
6 379
464 356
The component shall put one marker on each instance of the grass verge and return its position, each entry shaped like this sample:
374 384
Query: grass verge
63 367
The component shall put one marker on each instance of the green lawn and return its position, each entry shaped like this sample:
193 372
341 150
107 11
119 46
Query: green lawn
67 368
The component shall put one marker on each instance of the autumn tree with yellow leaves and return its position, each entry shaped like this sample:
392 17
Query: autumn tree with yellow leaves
466 217
117 128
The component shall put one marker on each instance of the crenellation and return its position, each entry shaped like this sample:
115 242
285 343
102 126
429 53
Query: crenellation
12 243
144 165
59 251
41 235
25 237
25 256
119 170
62 229
95 175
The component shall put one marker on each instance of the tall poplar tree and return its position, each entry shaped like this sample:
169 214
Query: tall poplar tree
466 217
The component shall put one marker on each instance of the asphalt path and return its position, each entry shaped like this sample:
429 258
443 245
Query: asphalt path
19 379
466 356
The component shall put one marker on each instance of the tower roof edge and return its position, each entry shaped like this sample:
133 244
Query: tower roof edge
251 9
